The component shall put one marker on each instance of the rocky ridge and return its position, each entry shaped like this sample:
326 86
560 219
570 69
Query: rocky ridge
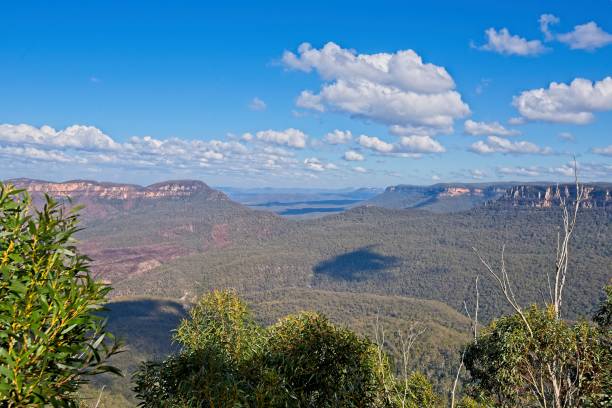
115 191
549 196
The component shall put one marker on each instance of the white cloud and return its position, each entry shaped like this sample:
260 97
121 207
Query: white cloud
566 170
315 164
478 174
604 151
587 36
567 136
86 145
359 169
289 137
519 171
562 103
586 171
487 128
516 121
417 130
374 143
394 89
37 154
502 42
76 136
338 137
420 144
546 20
352 155
495 144
257 104
408 146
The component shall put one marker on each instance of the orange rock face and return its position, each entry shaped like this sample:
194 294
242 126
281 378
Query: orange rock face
113 191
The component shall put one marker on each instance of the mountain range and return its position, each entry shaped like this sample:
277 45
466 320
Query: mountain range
401 256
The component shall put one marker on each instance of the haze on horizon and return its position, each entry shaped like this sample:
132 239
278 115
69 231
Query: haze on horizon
325 96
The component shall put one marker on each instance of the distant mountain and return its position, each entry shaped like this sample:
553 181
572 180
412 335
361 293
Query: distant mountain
102 200
440 198
132 229
454 197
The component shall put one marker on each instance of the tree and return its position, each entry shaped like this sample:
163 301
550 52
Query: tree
302 361
534 357
555 364
51 337
310 360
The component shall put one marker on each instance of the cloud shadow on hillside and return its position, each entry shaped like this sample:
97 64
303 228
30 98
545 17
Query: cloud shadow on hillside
145 325
359 264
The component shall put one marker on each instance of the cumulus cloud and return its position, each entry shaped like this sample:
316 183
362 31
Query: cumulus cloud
359 169
562 103
419 144
408 146
502 42
89 148
37 154
390 88
289 137
374 143
519 171
567 136
587 36
546 20
77 136
586 171
487 128
494 144
315 164
352 155
338 137
257 104
477 174
604 151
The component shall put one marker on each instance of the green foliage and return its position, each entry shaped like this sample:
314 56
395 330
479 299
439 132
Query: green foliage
50 335
220 321
603 316
415 254
331 265
416 391
301 361
308 359
515 367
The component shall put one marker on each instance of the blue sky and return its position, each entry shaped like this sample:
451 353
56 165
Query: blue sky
321 94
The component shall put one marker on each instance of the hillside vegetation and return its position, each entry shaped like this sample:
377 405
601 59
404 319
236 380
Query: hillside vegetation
146 326
397 266
397 252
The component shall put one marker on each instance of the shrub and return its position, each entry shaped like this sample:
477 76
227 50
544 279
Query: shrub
302 361
514 367
50 335
321 365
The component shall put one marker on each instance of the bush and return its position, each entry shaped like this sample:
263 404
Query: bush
302 361
50 335
310 360
514 367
